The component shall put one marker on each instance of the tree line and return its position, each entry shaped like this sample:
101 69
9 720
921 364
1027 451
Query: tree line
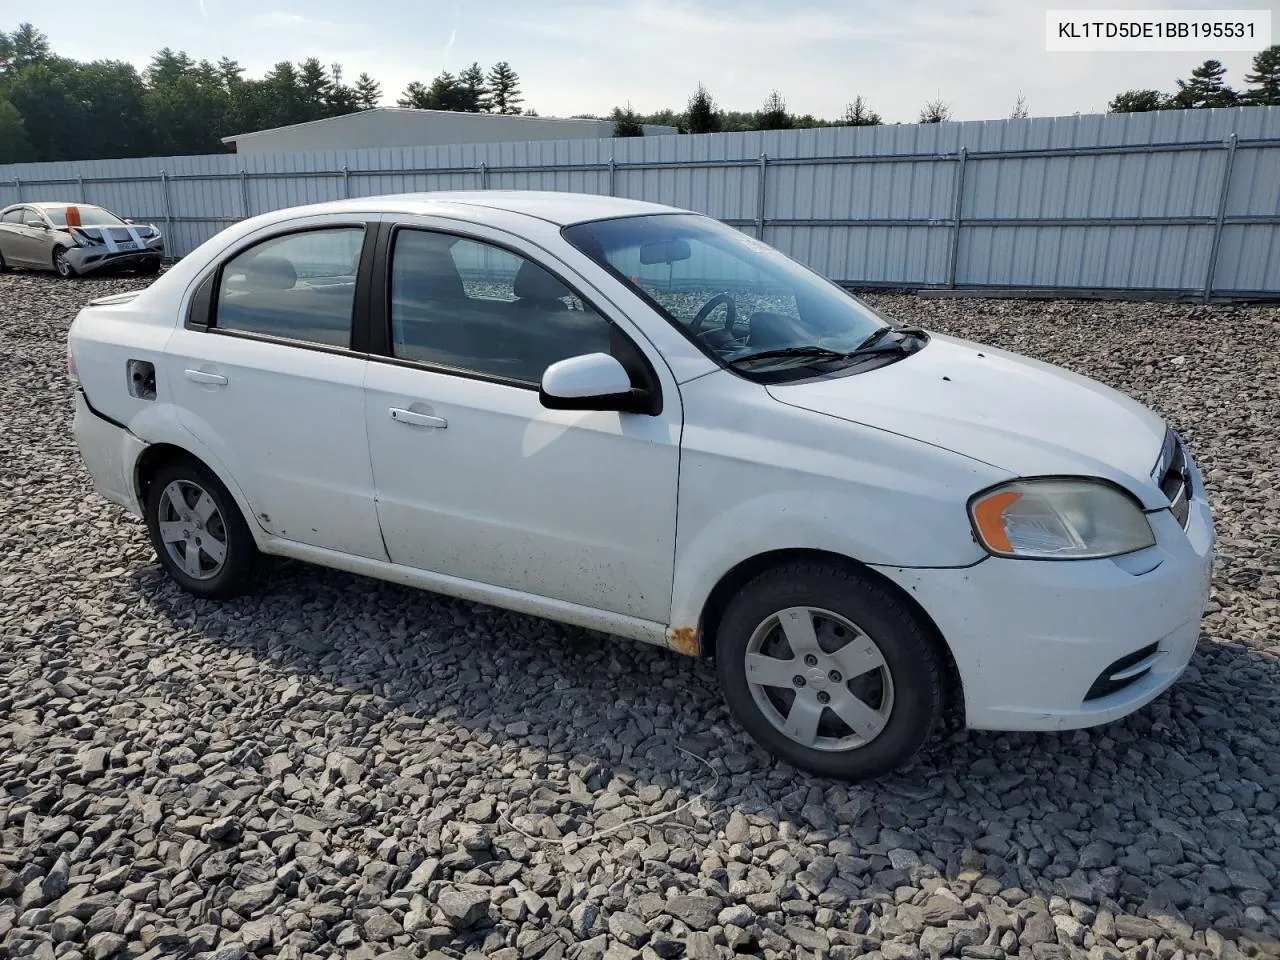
57 108
1208 88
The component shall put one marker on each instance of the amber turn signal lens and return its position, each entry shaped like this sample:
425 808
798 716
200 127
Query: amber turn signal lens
989 516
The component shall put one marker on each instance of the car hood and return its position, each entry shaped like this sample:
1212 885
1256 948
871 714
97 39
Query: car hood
1009 411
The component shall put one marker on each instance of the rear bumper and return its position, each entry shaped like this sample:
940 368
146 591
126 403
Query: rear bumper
109 452
1037 644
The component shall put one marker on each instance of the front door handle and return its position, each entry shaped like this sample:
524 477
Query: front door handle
401 415
201 376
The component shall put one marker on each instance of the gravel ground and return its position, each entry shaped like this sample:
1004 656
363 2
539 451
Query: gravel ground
339 767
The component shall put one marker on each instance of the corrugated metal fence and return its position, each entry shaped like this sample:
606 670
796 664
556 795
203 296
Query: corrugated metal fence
1181 202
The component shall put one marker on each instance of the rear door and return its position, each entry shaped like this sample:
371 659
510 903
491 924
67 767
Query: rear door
270 383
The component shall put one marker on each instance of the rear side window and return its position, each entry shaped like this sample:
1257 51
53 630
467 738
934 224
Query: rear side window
299 287
13 216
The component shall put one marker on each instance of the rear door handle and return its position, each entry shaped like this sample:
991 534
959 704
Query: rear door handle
201 376
401 415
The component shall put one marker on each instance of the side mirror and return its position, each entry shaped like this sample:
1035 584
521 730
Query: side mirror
593 381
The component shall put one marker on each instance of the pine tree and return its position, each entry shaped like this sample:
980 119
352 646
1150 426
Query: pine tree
368 92
475 95
504 88
231 72
860 114
773 114
1140 101
1019 111
701 115
444 93
935 111
415 95
1265 79
29 46
314 88
1206 88
626 123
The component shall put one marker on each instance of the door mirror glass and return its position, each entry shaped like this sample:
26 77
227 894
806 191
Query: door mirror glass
592 381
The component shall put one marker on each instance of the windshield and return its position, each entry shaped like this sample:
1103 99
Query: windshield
89 216
730 293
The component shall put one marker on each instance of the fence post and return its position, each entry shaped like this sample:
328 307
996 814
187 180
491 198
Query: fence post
484 175
1212 267
346 182
953 253
17 188
764 161
80 183
244 195
611 172
168 212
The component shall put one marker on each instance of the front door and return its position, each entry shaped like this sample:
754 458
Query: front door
273 389
475 478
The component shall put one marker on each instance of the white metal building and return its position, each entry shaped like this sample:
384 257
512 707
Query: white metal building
403 127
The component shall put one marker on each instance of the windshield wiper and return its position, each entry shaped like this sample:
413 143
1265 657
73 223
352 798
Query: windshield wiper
877 335
812 351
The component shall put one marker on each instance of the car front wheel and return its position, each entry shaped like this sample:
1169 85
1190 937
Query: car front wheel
198 532
829 670
62 264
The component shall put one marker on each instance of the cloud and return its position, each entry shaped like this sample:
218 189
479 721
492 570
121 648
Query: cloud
453 35
279 20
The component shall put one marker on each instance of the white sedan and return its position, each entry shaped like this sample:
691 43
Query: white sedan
638 420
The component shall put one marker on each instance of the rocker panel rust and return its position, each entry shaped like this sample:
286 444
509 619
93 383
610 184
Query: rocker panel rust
685 640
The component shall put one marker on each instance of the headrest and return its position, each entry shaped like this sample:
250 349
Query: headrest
534 283
271 273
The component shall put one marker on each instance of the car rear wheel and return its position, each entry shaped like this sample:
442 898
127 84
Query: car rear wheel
149 267
62 264
829 670
198 532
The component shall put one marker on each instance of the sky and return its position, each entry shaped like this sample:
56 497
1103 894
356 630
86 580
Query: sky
576 56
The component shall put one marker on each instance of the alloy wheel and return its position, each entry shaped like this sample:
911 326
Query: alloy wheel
192 530
819 679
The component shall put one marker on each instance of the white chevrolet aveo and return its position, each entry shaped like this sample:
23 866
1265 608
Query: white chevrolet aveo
638 420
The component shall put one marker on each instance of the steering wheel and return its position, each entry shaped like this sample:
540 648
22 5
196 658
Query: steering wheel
730 314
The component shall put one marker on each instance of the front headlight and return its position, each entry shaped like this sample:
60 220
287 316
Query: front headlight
1054 519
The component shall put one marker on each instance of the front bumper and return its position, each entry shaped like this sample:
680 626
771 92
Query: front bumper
98 257
110 453
1036 643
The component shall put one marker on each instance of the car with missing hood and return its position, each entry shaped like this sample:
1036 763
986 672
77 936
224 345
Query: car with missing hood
76 238
639 420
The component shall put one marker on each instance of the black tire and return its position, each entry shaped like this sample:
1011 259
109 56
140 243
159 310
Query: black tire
3 266
910 700
240 553
149 268
61 265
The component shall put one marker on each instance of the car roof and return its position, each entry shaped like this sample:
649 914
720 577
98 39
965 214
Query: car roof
562 209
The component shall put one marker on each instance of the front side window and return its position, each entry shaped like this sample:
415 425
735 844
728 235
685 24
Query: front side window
477 307
89 216
32 219
299 287
742 301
